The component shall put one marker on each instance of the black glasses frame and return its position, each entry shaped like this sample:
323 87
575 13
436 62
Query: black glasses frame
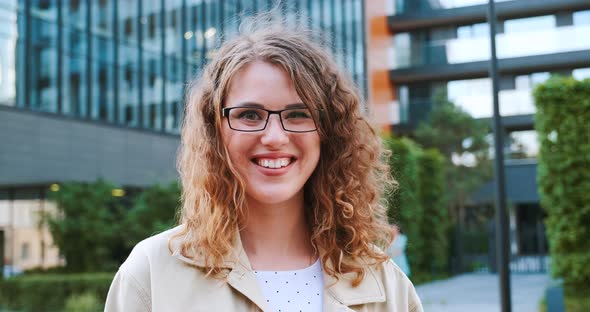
226 111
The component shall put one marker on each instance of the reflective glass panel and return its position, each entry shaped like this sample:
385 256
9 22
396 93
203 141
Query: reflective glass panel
43 65
10 41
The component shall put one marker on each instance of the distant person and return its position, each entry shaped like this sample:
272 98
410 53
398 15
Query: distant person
397 249
282 178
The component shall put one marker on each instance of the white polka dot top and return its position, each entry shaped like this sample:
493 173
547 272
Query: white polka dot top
293 291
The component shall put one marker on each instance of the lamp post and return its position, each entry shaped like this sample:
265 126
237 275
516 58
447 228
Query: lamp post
502 243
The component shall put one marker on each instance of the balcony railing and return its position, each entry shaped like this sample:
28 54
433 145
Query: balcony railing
465 50
414 6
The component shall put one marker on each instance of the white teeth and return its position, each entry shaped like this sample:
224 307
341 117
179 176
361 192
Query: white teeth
284 162
274 163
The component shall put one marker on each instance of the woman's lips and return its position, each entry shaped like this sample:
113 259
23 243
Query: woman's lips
273 171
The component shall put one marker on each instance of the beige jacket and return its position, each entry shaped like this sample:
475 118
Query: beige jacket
153 279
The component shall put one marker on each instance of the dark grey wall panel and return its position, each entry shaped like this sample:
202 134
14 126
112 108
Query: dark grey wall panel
521 184
38 148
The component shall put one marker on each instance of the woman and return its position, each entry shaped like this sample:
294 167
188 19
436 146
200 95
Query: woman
282 178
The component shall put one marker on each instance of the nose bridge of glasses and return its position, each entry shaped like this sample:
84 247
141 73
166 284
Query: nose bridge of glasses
279 120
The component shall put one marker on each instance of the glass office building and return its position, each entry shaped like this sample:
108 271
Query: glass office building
125 62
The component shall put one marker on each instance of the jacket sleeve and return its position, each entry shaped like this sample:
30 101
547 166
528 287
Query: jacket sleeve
415 305
127 295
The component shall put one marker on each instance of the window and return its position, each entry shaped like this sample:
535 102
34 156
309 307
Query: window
25 251
530 24
523 145
581 73
473 31
582 18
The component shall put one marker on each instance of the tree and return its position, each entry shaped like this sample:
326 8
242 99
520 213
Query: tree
86 227
462 141
95 230
153 211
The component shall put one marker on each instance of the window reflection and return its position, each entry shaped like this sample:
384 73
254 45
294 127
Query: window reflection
9 41
43 65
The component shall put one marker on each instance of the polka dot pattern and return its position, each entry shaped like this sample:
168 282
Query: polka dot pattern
298 291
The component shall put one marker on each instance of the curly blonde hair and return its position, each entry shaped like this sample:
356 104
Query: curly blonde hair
343 196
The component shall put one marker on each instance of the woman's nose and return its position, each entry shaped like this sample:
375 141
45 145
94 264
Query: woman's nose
274 134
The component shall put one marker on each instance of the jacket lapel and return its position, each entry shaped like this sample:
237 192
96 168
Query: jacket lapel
241 276
340 295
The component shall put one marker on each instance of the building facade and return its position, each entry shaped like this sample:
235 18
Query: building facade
444 46
94 89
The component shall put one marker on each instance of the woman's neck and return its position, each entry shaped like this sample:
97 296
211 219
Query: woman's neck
276 237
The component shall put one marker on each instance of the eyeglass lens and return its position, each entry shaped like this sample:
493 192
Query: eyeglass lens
254 119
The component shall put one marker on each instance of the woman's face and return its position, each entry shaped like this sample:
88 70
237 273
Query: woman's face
256 155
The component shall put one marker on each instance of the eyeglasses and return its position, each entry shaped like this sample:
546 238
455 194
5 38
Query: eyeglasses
251 119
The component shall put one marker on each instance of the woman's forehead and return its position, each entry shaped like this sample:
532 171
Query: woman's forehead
261 83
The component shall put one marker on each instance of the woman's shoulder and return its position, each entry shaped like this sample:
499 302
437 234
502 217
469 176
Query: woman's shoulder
131 288
387 271
150 252
397 286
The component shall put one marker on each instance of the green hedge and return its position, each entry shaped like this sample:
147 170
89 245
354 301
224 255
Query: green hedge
563 125
435 220
50 292
403 206
418 205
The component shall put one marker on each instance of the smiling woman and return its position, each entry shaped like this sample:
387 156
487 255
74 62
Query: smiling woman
282 179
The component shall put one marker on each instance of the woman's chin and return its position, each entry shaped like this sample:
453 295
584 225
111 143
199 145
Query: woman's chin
272 197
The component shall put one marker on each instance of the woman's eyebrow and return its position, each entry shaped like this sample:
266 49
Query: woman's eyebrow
250 104
257 105
296 105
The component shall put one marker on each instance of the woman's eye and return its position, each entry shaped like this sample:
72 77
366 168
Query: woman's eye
250 115
298 114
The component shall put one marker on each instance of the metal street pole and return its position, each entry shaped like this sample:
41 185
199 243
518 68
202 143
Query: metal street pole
502 243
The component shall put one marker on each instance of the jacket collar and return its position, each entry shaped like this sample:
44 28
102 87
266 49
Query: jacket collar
337 297
236 257
342 293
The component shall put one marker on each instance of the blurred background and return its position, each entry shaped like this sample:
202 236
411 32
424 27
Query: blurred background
91 101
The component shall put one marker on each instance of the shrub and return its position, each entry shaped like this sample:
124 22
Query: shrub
153 211
49 292
83 303
563 125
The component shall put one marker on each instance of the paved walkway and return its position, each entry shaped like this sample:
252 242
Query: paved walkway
480 292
